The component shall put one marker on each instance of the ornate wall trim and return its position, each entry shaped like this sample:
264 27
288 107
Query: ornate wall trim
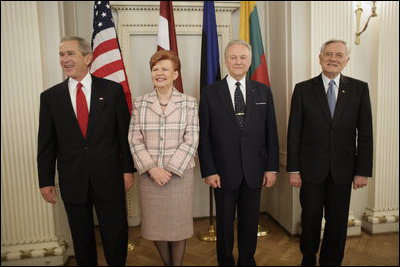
50 253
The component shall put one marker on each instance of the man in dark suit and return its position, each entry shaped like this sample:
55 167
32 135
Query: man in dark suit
329 147
238 151
83 125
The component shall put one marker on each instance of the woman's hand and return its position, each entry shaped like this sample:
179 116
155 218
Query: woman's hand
160 176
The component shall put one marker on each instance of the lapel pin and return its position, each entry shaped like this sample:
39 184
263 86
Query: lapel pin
101 99
343 91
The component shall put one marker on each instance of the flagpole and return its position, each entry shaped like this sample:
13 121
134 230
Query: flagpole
209 235
263 231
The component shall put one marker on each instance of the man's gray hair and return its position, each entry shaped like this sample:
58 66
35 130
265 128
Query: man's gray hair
238 42
348 49
84 46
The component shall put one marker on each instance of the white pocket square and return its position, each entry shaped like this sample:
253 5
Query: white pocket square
261 103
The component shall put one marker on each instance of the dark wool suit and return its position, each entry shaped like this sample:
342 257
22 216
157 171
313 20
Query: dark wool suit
328 153
240 156
90 170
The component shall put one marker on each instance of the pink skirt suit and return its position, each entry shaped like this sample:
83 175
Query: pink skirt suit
168 140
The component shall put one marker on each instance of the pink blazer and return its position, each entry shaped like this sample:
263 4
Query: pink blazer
168 140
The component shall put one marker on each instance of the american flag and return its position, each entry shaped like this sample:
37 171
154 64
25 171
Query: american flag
107 59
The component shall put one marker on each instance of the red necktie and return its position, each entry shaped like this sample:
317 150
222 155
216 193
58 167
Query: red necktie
82 109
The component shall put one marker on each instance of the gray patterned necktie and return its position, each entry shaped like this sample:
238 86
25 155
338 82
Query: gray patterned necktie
240 107
331 97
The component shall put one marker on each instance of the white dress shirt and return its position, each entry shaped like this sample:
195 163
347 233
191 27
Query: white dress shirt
86 88
232 87
326 81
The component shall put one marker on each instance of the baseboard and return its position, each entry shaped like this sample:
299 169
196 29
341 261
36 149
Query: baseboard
40 254
378 228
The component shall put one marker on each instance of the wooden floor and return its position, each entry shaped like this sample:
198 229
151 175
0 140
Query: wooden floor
276 249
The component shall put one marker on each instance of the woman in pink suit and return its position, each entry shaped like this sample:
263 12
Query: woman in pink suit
163 138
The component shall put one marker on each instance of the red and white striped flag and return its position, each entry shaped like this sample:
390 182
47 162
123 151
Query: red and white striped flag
107 59
167 35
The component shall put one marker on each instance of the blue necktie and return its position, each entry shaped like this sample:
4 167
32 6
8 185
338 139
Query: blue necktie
331 97
240 106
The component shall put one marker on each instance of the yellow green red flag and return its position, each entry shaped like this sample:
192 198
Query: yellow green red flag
249 30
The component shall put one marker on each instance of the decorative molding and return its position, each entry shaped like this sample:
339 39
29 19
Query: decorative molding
375 224
381 219
181 27
353 226
353 221
29 241
188 6
177 9
51 249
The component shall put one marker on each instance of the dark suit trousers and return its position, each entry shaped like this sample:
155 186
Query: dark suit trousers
113 229
247 201
335 199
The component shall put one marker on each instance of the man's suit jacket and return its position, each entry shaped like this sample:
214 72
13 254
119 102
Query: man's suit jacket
99 160
233 152
318 144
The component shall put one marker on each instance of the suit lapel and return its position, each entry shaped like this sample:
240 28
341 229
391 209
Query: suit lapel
154 103
320 94
97 102
174 103
342 98
225 96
